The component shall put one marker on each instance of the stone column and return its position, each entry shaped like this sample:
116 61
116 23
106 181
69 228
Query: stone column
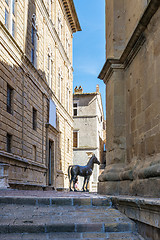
113 76
115 131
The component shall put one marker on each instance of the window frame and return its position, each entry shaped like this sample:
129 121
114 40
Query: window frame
9 99
60 79
9 143
34 119
34 153
34 40
10 9
77 139
75 108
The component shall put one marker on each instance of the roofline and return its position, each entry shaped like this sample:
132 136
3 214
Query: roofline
72 15
82 94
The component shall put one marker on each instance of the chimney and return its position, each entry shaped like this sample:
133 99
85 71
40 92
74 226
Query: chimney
97 88
78 90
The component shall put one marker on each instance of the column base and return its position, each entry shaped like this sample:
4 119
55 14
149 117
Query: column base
140 187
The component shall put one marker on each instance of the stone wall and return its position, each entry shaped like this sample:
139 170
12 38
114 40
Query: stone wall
34 81
133 100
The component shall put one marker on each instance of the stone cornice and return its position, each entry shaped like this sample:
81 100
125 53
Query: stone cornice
22 160
71 15
136 41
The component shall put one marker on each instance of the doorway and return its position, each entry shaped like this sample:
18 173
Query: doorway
51 163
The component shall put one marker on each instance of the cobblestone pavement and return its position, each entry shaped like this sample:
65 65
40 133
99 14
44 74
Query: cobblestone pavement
44 215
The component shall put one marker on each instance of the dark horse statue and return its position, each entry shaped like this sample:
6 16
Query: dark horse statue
83 171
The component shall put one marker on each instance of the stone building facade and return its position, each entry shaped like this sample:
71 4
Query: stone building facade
36 91
132 78
88 132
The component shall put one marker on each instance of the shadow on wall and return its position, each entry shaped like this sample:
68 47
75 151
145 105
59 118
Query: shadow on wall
24 106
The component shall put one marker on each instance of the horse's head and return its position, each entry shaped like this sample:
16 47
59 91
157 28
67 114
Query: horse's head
95 160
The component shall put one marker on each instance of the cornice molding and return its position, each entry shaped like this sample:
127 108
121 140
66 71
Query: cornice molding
71 15
134 45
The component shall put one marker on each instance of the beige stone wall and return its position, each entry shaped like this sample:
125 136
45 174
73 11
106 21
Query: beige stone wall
122 17
143 97
32 89
133 100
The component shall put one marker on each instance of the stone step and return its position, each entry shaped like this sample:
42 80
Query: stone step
59 201
52 218
69 236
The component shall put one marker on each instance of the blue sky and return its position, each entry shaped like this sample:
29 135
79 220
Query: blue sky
89 46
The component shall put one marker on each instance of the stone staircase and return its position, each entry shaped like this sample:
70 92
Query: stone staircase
34 218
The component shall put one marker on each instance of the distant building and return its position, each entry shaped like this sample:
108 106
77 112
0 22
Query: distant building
36 92
89 131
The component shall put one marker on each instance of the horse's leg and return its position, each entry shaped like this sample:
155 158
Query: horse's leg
74 181
70 183
70 188
84 184
87 184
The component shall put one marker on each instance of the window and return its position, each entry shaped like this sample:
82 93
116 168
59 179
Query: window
60 84
9 99
34 37
67 97
13 7
49 7
13 28
75 108
59 26
52 113
34 152
6 19
10 10
34 119
9 142
75 139
67 45
49 68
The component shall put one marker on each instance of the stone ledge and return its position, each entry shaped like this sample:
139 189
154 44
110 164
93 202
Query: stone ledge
26 186
144 211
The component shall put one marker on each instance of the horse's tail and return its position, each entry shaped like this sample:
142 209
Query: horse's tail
69 172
